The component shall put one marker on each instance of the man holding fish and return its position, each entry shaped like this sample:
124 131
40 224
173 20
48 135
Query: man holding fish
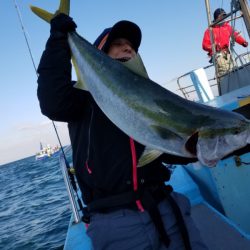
130 207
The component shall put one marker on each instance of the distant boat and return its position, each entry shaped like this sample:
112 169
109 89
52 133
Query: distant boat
46 152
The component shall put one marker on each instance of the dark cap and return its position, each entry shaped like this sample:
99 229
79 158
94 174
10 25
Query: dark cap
122 29
218 12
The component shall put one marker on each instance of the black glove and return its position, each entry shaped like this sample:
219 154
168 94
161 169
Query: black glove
245 44
62 23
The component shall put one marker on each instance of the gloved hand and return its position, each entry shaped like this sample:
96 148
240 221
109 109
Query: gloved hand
245 44
62 23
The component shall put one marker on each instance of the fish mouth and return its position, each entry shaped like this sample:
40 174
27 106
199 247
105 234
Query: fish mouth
191 143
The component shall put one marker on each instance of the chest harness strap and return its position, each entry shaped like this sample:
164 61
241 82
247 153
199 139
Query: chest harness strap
149 199
145 199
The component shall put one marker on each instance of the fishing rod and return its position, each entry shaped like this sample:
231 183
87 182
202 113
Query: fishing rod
70 171
34 66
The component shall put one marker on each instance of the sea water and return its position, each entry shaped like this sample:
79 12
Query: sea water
34 206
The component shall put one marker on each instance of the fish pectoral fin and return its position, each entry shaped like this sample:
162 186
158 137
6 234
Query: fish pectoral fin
80 83
191 143
64 7
148 156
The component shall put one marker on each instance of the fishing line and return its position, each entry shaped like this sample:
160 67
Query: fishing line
70 174
25 36
34 66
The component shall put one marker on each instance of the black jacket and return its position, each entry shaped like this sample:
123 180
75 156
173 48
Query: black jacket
101 151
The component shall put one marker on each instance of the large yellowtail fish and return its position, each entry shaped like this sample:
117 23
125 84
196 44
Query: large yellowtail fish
153 115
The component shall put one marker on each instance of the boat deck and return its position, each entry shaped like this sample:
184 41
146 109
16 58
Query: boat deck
216 231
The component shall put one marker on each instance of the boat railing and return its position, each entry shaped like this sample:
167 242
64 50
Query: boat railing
192 88
69 188
243 58
188 89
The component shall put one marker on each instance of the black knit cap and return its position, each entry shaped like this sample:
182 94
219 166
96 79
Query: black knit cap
122 29
218 12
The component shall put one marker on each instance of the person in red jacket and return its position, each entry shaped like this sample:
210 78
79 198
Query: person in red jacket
222 33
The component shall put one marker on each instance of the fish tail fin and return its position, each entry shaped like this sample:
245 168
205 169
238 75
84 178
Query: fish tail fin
64 7
43 14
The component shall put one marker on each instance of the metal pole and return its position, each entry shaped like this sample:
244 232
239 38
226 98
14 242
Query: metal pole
246 14
212 41
70 192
